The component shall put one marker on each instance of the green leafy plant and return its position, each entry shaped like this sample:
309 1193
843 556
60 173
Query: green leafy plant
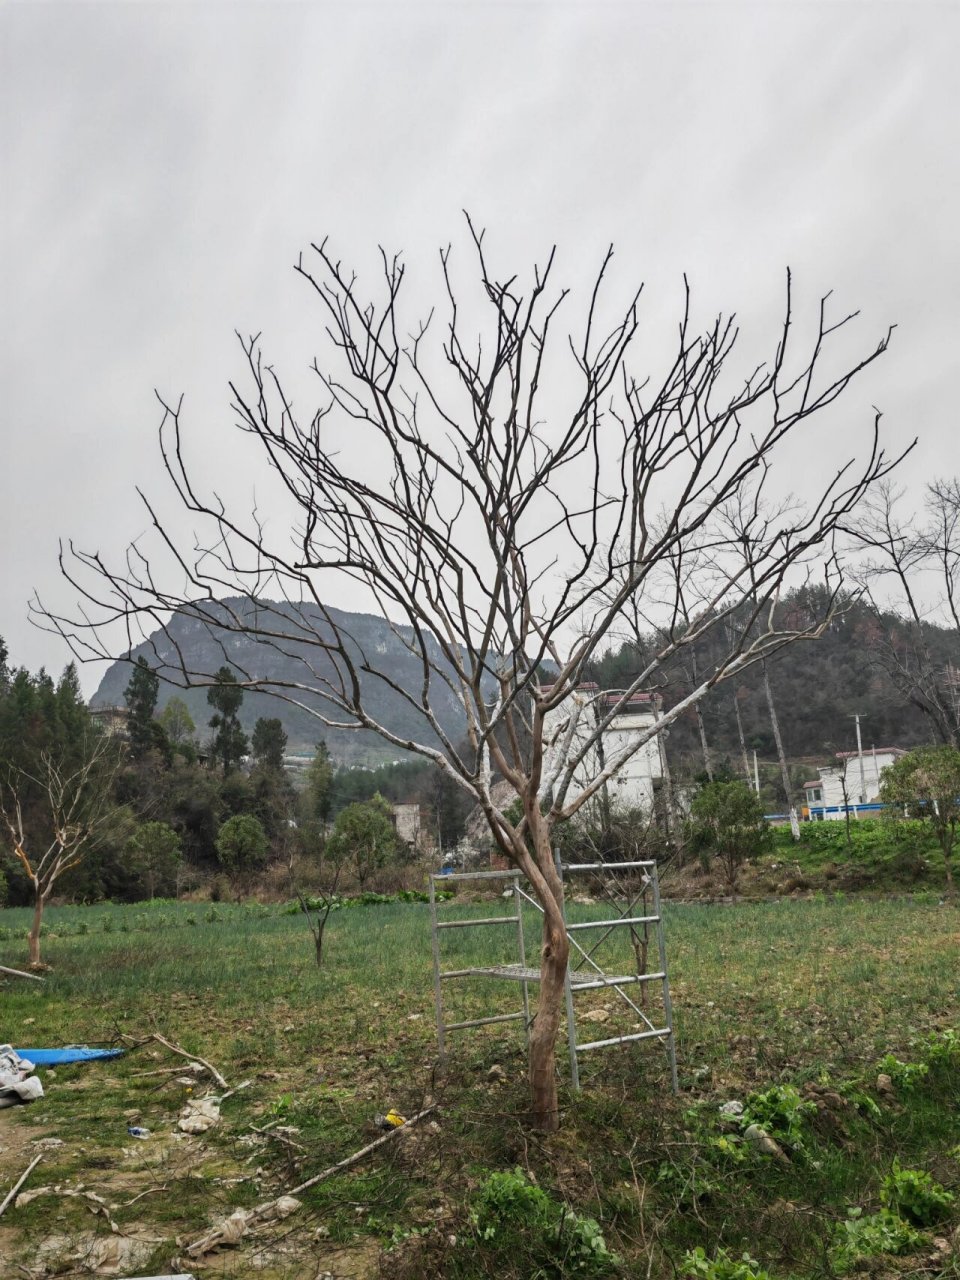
906 1076
915 1195
721 1266
780 1111
941 1049
511 1212
876 1233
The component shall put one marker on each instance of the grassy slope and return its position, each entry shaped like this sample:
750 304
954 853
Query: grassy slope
799 991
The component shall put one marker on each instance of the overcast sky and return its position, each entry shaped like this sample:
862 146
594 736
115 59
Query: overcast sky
163 164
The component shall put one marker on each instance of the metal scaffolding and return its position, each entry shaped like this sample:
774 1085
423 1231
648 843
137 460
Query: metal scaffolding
584 973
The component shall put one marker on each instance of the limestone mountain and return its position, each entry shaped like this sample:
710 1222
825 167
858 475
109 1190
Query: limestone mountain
205 649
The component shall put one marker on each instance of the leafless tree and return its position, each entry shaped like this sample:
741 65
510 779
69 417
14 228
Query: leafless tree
77 806
502 497
912 579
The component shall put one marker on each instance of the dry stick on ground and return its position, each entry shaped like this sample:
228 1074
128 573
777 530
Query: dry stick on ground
175 1048
12 1195
212 1239
18 973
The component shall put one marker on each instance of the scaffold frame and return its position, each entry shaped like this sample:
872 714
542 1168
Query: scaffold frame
582 959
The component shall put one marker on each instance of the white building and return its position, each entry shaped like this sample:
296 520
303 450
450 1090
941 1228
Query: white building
635 784
825 795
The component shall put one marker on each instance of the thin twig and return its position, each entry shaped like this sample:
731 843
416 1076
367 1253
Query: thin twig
358 1155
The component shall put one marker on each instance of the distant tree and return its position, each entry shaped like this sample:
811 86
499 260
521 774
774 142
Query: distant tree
192 802
727 818
318 793
364 837
78 803
230 742
177 722
140 696
326 867
156 855
269 742
242 844
926 783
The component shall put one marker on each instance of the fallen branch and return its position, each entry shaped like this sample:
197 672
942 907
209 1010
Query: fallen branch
12 1195
358 1155
230 1230
175 1048
19 973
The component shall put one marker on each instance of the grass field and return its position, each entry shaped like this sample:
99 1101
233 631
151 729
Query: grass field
809 994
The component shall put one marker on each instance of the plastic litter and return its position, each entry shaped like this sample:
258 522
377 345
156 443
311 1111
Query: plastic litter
136 1131
17 1082
392 1120
72 1053
199 1115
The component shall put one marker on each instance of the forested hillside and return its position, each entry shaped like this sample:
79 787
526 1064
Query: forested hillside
817 686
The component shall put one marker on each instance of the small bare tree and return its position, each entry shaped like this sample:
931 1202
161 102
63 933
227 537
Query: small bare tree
501 497
77 804
912 580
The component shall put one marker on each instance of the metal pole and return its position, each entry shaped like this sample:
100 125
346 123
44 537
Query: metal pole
567 989
667 1007
756 774
518 901
438 999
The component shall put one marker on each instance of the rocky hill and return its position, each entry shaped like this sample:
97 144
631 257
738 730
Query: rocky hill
205 650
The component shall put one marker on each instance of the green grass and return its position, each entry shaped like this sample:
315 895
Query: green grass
812 993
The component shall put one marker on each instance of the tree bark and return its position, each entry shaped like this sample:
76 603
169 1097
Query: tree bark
33 937
546 1024
775 723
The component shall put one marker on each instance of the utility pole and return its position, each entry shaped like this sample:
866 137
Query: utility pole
863 776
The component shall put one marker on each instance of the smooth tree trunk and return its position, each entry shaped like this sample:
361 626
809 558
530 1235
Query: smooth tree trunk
743 742
668 814
704 745
781 756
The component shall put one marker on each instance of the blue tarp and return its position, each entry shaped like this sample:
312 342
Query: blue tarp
73 1053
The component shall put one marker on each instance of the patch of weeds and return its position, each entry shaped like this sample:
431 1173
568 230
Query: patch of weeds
515 1219
915 1195
861 1101
906 1076
721 1266
868 1236
780 1112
